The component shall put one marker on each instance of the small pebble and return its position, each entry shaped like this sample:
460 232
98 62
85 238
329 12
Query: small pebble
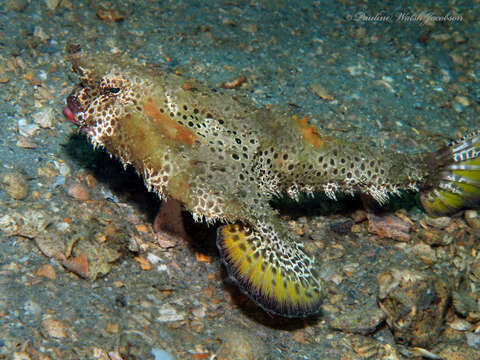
425 253
462 100
199 312
235 82
457 59
25 143
78 192
168 313
475 269
39 33
239 344
31 308
473 339
460 325
26 129
464 303
457 107
251 28
389 226
50 245
441 37
52 4
11 267
21 356
438 222
472 219
359 215
44 118
321 92
64 169
144 263
54 328
78 265
415 304
47 271
47 171
15 184
17 5
435 237
341 226
458 38
113 328
161 355
363 319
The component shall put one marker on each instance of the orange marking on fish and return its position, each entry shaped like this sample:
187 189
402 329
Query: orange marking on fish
170 128
309 133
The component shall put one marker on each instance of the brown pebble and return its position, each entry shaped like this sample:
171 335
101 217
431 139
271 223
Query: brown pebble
54 328
389 226
203 258
78 192
144 263
462 100
187 86
240 344
109 15
112 328
15 184
12 267
475 269
300 336
52 4
425 253
415 304
320 91
50 244
362 319
164 241
447 351
472 219
26 143
435 237
79 265
21 356
48 171
142 228
235 83
359 215
47 271
438 222
91 181
17 5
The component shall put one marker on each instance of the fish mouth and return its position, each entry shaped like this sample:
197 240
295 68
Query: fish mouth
72 109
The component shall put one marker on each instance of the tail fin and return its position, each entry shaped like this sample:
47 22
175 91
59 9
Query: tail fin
456 183
279 276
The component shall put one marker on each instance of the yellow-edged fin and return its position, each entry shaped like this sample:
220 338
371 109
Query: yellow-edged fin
275 274
456 183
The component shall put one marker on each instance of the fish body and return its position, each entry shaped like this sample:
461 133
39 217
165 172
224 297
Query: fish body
224 158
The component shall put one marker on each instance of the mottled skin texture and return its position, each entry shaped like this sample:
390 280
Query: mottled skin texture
224 158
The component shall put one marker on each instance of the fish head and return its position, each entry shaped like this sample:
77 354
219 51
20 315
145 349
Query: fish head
107 90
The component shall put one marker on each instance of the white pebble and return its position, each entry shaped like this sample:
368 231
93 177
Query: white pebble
161 355
168 313
44 118
26 129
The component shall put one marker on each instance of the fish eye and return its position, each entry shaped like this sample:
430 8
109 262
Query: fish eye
115 90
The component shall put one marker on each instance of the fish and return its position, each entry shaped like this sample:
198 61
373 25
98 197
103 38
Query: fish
224 158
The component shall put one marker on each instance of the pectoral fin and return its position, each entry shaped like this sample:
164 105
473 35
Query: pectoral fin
276 274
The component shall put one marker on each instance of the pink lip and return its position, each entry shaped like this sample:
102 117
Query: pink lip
71 110
69 114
